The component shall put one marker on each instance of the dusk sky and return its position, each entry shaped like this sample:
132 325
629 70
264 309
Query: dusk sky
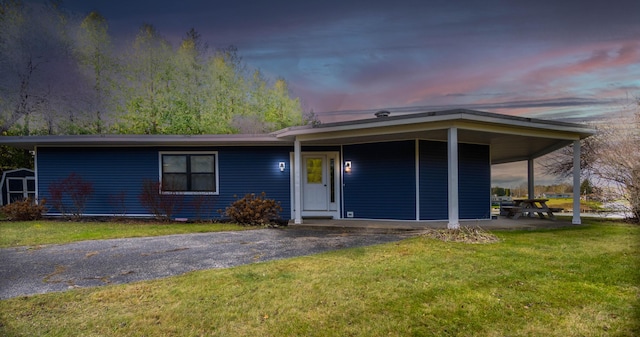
567 60
554 59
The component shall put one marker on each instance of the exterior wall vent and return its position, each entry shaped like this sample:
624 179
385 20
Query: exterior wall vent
382 113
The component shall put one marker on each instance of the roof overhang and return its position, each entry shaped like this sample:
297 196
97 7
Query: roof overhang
31 142
511 138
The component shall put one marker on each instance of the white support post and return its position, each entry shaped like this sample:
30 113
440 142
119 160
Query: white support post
417 159
531 187
576 183
36 174
297 178
452 153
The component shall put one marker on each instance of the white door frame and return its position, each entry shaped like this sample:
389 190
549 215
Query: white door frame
333 209
315 194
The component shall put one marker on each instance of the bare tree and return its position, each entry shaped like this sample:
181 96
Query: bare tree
611 158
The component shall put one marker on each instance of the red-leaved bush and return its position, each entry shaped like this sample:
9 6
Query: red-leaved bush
163 205
203 205
72 188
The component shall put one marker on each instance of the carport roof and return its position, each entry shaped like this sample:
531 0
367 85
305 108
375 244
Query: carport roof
511 138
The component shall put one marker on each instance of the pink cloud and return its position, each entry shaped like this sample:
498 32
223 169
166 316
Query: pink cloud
602 60
546 82
553 74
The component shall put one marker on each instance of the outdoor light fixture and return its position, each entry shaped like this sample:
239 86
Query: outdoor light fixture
347 166
281 166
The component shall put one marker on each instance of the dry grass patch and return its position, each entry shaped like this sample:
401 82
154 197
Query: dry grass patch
463 234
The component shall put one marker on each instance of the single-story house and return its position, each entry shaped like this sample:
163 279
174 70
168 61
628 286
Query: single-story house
17 185
414 167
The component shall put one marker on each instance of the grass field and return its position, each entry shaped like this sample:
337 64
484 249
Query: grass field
581 281
33 233
567 204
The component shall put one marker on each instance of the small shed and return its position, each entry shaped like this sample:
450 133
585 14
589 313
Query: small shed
17 185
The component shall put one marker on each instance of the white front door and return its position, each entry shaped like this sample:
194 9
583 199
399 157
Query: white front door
319 184
315 189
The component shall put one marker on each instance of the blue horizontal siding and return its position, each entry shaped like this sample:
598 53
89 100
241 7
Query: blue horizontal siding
246 170
114 173
381 184
118 174
474 181
434 197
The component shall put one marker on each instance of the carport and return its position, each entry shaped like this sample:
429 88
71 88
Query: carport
510 138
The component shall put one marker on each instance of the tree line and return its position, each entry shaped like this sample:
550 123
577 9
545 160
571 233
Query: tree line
62 74
522 190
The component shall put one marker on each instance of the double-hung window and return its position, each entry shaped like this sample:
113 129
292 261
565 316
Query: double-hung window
189 172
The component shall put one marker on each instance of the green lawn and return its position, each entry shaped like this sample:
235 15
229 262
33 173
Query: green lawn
581 281
33 233
567 204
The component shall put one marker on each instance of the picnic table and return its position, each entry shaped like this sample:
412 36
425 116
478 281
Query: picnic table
529 207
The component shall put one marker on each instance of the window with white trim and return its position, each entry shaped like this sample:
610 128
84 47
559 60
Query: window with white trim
189 172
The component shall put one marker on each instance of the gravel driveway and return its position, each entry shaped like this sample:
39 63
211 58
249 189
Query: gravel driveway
42 269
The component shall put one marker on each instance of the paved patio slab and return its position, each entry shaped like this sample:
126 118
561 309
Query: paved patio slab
501 223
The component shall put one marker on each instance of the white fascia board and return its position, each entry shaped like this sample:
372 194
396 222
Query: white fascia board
538 124
373 125
462 120
519 130
386 129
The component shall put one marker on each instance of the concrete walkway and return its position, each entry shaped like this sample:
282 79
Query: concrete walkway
381 226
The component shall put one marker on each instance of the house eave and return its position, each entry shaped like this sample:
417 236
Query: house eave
511 138
443 118
31 142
